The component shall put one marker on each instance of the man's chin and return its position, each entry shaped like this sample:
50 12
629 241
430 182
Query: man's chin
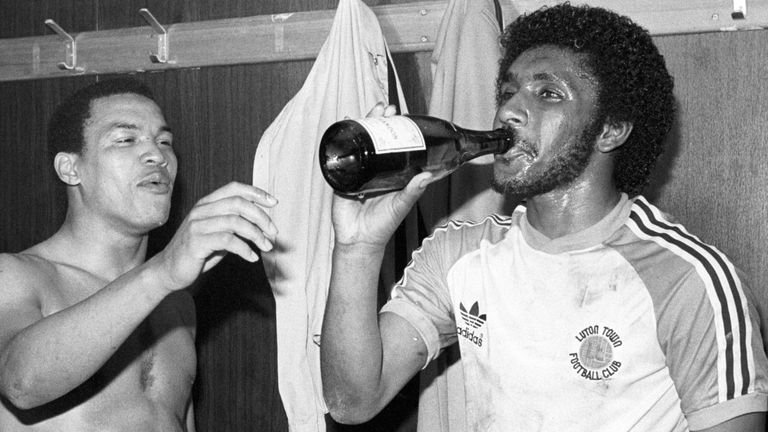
498 187
155 219
509 186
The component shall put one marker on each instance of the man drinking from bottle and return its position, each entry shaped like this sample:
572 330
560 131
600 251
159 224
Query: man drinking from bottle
587 308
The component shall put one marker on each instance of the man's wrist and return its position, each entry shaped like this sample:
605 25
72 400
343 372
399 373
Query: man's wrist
156 278
361 250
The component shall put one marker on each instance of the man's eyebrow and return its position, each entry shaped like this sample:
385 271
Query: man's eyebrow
121 125
131 126
511 76
550 76
546 76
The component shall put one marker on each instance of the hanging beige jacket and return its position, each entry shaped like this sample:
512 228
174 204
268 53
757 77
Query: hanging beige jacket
348 78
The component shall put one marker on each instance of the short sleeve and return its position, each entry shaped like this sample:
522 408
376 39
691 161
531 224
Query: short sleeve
710 333
422 297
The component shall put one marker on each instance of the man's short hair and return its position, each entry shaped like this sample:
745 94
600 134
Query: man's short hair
633 82
65 129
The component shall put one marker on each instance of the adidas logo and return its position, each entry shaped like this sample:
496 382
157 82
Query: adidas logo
473 317
473 321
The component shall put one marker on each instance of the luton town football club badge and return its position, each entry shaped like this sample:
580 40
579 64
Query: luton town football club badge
596 358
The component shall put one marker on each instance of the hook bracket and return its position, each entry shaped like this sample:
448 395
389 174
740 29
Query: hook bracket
70 60
739 9
162 37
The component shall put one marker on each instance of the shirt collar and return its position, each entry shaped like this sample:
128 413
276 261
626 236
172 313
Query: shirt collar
584 239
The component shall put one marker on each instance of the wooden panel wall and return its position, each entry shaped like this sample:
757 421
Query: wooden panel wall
716 183
714 178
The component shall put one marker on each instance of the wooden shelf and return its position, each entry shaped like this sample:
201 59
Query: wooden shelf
407 27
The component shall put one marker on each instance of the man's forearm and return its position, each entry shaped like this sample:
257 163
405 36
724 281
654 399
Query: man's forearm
351 353
50 358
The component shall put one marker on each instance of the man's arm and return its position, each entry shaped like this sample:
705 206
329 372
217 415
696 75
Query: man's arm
752 422
366 358
43 358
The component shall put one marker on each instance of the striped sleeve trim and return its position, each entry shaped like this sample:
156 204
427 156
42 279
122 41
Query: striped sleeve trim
735 362
494 219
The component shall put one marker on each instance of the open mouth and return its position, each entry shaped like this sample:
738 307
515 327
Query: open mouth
521 149
158 182
527 148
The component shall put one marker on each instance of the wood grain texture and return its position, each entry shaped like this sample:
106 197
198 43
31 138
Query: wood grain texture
123 41
242 40
30 193
24 18
714 179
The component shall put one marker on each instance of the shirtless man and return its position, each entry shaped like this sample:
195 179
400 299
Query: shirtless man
92 336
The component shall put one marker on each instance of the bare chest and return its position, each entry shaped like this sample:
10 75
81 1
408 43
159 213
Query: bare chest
154 366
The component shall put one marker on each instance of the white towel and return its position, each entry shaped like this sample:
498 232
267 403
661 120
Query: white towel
348 78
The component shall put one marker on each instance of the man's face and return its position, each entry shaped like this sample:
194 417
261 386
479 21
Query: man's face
549 99
127 167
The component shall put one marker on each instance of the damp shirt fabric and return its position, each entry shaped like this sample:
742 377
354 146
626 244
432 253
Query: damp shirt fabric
633 324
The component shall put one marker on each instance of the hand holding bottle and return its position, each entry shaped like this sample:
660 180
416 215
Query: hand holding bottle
372 220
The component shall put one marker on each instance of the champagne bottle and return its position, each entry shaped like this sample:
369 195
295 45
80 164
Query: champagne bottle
379 154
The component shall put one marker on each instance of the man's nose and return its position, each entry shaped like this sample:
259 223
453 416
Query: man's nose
512 113
153 155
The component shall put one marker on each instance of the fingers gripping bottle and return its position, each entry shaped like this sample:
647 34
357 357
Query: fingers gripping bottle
379 154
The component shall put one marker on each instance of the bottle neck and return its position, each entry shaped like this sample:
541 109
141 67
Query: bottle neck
478 143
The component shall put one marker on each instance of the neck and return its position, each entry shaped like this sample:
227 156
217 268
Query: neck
97 247
571 209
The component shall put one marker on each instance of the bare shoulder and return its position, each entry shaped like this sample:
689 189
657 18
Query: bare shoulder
22 275
23 278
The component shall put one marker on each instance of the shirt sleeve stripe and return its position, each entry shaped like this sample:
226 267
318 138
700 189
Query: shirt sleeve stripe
451 224
724 292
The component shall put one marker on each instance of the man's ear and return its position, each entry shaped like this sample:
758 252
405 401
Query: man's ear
613 135
65 166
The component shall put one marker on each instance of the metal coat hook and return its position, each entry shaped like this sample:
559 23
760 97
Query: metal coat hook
70 61
162 37
739 9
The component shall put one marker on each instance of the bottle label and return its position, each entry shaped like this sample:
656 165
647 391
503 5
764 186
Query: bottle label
393 134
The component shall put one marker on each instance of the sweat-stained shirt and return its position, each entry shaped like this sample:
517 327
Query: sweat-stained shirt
633 324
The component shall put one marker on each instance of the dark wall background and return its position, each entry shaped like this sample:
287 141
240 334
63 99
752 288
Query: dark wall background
713 178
